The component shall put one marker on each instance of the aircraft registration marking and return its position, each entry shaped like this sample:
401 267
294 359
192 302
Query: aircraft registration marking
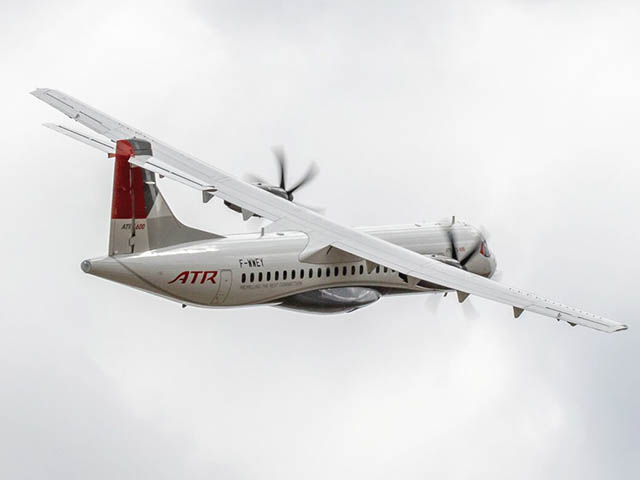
251 262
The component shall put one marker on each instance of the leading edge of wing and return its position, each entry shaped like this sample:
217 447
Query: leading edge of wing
320 230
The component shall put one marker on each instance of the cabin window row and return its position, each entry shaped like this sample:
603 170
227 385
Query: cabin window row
319 272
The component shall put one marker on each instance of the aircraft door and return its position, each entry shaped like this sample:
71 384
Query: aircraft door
224 281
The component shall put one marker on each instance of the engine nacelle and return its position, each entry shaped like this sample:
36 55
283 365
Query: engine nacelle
332 300
277 191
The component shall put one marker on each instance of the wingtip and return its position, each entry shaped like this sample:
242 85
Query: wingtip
40 92
621 328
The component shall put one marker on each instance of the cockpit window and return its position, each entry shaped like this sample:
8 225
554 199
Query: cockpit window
484 249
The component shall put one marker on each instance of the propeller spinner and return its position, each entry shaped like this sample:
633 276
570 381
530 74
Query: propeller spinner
469 254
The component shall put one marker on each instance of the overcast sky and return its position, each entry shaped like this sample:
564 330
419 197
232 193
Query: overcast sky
520 116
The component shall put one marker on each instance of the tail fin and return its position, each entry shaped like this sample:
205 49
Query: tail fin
141 220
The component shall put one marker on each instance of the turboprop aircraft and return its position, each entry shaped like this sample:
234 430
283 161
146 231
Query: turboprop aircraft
301 260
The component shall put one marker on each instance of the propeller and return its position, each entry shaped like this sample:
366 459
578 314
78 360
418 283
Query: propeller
468 309
250 177
281 157
433 301
281 189
453 246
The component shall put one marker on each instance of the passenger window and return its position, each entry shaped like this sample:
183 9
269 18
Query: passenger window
276 275
378 269
284 275
311 273
244 277
293 274
251 278
386 269
361 269
328 272
260 277
344 271
353 269
336 271
319 272
268 276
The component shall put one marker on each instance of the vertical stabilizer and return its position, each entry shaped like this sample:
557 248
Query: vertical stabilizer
141 220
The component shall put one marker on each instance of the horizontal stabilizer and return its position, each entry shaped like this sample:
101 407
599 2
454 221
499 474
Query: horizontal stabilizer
105 145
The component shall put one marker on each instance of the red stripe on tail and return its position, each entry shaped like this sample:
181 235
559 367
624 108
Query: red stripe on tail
128 187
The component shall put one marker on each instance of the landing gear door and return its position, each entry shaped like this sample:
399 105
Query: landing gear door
224 281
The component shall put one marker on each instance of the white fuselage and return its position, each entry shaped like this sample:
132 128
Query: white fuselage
249 269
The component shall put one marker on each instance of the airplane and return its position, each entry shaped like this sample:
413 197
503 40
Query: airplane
301 260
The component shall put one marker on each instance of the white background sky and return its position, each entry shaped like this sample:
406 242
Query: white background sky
521 116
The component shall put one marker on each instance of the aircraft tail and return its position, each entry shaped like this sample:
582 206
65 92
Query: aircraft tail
141 220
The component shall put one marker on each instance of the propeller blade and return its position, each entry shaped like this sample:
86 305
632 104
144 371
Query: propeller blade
452 243
310 175
469 310
484 232
282 163
251 178
433 302
475 249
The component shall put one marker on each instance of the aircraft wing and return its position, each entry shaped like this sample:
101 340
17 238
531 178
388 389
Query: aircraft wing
321 231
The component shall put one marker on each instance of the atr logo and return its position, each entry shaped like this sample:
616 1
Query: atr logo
208 275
